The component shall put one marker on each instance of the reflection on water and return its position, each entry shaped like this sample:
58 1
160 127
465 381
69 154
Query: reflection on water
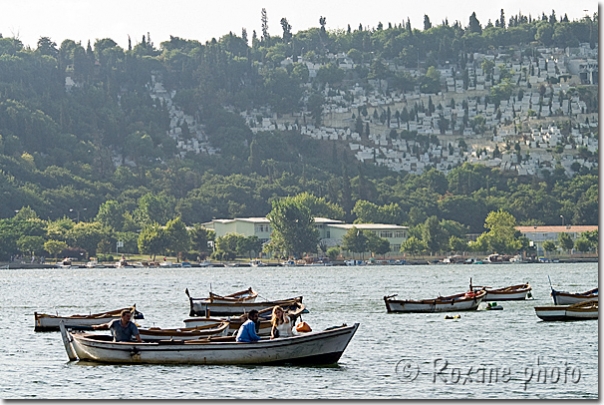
391 355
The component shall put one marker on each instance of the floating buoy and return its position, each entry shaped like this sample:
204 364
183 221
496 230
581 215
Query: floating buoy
492 306
452 316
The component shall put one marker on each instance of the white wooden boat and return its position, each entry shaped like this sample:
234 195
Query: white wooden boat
568 298
467 301
93 264
311 348
248 295
123 264
208 307
512 293
65 264
49 323
263 329
580 311
213 329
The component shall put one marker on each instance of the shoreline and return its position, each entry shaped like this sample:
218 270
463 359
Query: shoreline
419 262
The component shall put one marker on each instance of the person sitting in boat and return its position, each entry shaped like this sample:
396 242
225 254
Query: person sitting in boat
122 329
281 324
247 331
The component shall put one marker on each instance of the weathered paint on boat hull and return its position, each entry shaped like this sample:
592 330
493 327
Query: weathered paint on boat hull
411 307
577 312
453 303
564 298
517 296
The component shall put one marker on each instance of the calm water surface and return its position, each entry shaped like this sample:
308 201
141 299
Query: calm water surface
484 354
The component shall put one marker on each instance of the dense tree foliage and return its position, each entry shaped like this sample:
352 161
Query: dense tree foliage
82 140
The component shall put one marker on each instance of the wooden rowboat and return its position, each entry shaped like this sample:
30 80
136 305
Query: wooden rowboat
264 328
50 323
580 311
200 332
512 293
248 295
468 301
208 307
568 298
311 348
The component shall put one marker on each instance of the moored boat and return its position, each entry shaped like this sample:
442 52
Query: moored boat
123 263
248 295
213 329
516 292
311 348
93 264
467 301
264 325
581 311
208 307
50 323
65 263
568 298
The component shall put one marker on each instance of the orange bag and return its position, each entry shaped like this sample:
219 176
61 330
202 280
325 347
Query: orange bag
303 327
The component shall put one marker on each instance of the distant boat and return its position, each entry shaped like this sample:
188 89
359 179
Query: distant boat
467 301
311 348
123 263
511 293
49 323
65 263
581 311
207 306
566 298
94 264
319 263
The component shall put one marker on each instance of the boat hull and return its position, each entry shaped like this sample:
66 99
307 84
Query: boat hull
313 348
442 304
517 292
587 310
553 313
514 293
201 307
50 323
518 296
567 298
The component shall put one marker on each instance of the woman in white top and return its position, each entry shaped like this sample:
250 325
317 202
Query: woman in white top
281 324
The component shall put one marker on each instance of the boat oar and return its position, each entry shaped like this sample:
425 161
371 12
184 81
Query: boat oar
70 352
